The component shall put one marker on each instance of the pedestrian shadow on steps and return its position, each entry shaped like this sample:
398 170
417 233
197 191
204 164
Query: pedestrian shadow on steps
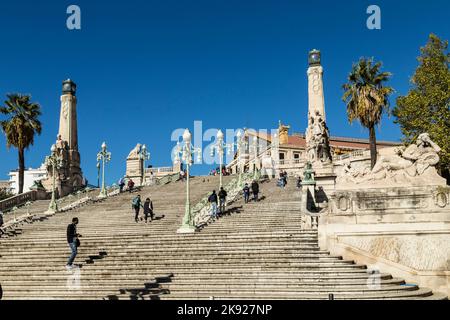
151 290
159 217
15 229
99 256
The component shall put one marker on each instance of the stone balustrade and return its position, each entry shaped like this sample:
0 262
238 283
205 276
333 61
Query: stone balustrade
21 199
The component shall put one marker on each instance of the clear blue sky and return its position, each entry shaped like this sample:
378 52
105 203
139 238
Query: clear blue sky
145 68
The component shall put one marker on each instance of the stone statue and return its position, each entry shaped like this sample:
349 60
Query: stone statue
413 163
350 174
135 152
317 137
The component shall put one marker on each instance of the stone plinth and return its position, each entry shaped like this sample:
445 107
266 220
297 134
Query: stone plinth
403 231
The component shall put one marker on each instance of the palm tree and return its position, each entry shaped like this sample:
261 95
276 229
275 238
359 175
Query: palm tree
21 126
367 98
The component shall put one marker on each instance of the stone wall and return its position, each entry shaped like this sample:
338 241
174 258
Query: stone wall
402 231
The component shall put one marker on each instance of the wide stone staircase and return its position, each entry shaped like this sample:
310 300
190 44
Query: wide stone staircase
258 251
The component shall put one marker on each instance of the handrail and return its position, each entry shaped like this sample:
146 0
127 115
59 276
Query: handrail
167 179
251 157
201 212
18 200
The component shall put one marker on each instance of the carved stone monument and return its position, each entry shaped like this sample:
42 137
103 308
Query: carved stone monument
412 166
135 164
318 151
69 174
395 215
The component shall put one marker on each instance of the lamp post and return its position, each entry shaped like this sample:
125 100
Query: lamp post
104 156
240 145
275 153
53 160
255 150
187 151
219 147
144 155
98 175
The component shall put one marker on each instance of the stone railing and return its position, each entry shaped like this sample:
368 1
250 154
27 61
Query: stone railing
291 162
201 212
158 170
21 199
353 155
167 179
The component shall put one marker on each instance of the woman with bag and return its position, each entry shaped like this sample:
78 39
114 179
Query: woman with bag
148 209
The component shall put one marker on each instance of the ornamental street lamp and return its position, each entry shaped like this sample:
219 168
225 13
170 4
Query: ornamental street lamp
255 150
219 147
240 145
54 161
186 151
98 175
144 155
275 153
104 156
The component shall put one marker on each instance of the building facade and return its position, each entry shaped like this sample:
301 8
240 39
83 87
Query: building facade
30 176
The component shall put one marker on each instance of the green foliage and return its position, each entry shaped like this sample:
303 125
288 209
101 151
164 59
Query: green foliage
21 125
4 194
366 97
426 106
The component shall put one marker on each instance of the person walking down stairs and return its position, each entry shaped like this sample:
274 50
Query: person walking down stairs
73 241
213 200
222 200
246 191
136 204
1 223
130 185
255 190
121 184
148 209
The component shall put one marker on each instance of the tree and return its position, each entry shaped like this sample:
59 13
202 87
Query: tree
5 194
367 98
426 106
21 126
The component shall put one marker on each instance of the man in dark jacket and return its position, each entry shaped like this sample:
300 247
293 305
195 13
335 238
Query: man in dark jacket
246 193
255 190
222 200
148 209
72 240
213 200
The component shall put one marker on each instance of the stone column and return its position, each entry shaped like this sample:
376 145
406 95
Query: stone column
318 151
69 174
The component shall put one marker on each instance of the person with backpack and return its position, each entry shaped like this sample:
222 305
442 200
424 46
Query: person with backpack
136 204
213 200
246 191
130 185
73 241
1 224
148 209
299 182
255 190
121 184
222 200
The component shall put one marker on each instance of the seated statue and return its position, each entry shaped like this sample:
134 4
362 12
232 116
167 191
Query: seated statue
350 174
409 162
135 152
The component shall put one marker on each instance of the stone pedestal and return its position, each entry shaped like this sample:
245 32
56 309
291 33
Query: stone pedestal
134 167
400 230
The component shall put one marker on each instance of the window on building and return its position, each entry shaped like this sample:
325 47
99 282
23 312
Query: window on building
281 156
